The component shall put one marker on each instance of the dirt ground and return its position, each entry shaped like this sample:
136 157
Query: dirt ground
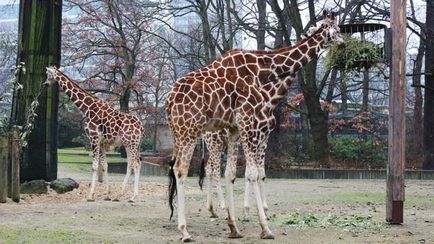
301 211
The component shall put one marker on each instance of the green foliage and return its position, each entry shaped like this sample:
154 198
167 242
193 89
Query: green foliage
297 219
82 141
353 55
84 156
26 129
365 152
354 224
70 127
18 234
146 144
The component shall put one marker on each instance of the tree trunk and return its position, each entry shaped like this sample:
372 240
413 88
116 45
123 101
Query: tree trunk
331 88
124 101
260 32
344 97
124 107
428 126
156 122
39 47
210 53
274 150
365 92
317 117
417 143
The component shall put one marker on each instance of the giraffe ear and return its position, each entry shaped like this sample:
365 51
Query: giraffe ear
324 13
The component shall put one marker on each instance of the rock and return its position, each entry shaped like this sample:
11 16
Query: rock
34 187
64 185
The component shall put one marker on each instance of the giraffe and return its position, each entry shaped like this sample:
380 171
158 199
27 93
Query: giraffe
216 142
104 126
238 92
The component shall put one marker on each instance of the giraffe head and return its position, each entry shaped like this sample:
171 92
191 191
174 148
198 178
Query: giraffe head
331 29
51 76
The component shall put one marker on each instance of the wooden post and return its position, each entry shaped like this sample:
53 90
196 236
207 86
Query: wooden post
395 169
15 164
9 165
3 168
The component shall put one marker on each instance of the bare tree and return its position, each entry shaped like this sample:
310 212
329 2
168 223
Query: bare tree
111 42
8 54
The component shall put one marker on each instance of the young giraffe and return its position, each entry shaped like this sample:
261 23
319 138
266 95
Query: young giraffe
104 127
216 142
238 91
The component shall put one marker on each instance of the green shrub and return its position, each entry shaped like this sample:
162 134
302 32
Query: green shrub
353 55
363 152
81 141
146 144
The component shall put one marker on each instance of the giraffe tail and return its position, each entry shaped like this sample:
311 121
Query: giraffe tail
202 172
172 185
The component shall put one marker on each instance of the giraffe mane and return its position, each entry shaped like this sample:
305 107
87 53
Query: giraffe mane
51 70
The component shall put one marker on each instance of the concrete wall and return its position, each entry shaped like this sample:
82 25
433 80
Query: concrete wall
164 138
345 174
146 169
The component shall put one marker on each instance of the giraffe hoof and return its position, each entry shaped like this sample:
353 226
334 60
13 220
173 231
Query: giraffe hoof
115 200
186 239
213 216
107 199
133 199
267 235
235 235
91 200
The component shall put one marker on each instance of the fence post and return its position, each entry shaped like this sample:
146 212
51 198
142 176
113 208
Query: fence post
9 164
3 168
15 164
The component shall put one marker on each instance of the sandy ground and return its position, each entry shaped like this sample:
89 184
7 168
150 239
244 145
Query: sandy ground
301 211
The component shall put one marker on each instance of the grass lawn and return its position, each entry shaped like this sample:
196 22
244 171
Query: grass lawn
80 155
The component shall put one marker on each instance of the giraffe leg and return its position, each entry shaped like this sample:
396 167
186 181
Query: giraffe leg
137 165
95 164
104 167
230 174
127 176
246 209
181 169
253 152
252 176
218 185
209 179
261 172
262 188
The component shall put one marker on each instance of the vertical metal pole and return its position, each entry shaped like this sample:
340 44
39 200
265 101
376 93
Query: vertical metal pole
395 169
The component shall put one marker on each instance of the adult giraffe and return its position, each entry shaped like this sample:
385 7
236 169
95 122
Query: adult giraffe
104 126
238 92
216 142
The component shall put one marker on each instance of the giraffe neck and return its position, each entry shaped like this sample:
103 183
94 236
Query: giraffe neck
80 97
287 62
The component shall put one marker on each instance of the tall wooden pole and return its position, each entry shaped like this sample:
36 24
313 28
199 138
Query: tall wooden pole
395 169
